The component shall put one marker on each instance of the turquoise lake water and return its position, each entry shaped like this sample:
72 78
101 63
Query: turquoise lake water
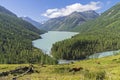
104 54
48 39
51 37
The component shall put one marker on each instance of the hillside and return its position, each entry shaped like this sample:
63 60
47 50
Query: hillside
94 69
99 35
4 10
109 20
33 22
67 23
16 37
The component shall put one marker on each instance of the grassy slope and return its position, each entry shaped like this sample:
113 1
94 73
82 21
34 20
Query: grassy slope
91 69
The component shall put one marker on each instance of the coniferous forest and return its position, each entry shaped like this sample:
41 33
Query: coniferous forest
98 35
16 38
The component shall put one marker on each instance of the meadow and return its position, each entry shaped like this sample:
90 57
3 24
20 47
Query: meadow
106 68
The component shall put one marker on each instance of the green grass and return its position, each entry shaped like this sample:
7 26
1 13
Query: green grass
94 69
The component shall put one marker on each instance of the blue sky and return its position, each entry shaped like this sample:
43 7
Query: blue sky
40 10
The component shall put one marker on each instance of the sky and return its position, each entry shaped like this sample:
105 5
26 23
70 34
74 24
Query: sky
41 10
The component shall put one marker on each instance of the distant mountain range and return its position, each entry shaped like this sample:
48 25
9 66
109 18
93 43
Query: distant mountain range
67 23
33 22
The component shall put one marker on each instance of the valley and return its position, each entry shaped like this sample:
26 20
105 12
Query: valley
74 43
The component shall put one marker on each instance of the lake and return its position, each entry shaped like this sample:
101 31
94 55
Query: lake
51 37
104 54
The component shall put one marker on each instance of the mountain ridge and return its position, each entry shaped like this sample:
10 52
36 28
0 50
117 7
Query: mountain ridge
33 22
67 23
6 11
105 19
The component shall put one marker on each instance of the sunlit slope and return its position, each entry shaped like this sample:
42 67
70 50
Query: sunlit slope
94 69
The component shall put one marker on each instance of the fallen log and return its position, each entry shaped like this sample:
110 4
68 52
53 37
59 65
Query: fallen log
20 70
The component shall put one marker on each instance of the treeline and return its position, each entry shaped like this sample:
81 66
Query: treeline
16 38
19 51
83 45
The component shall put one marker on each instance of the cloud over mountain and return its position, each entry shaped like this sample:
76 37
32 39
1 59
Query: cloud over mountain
54 13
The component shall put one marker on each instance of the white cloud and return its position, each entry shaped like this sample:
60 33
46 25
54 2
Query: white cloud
53 13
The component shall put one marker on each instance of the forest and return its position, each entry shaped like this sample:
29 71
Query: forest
98 35
16 38
83 45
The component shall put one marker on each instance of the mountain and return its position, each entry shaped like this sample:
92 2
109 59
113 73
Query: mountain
109 20
16 36
69 22
98 35
33 22
4 10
